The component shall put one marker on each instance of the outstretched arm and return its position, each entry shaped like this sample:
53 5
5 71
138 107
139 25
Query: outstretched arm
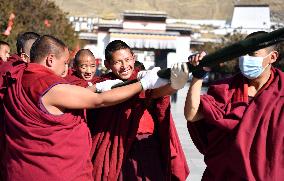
179 77
64 96
162 91
75 97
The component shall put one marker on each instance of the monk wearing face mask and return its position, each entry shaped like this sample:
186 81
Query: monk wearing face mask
238 125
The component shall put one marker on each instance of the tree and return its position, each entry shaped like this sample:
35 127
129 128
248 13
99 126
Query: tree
40 16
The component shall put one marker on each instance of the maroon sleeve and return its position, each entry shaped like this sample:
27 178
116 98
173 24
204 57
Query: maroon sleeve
172 152
72 78
220 116
218 108
44 83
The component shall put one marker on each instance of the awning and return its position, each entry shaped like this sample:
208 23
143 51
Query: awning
146 40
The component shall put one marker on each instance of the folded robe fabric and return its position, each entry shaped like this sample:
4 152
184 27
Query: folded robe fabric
1 61
4 67
242 139
12 61
114 129
40 145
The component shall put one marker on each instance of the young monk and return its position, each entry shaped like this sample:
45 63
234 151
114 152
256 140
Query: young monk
85 64
4 54
238 125
137 139
83 73
46 136
84 69
4 51
24 43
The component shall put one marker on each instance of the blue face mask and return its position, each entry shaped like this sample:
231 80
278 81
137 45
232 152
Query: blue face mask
251 67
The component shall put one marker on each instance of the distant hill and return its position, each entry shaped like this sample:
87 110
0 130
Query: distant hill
185 9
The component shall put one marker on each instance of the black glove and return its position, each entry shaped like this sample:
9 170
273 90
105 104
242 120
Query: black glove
200 74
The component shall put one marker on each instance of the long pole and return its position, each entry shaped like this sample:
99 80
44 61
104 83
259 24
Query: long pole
227 53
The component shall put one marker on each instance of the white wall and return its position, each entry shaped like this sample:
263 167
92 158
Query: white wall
171 59
103 40
182 48
251 17
144 26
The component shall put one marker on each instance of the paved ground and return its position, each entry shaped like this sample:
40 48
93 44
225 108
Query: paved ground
194 158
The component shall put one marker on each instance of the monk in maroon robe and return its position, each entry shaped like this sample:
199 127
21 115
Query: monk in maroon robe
137 139
24 43
4 67
4 56
4 51
46 136
238 125
1 62
84 69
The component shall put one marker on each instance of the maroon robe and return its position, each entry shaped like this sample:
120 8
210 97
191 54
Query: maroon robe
1 122
1 61
4 67
12 60
39 145
114 131
242 139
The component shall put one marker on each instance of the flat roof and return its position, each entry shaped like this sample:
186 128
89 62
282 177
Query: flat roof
143 32
153 14
88 36
251 5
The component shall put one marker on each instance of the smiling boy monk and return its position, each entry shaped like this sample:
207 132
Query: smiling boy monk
135 140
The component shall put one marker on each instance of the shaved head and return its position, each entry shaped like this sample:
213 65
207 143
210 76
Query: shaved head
22 41
46 45
51 53
27 46
4 50
85 64
81 54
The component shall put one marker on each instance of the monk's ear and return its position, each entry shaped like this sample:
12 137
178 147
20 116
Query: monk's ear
107 64
22 56
274 56
50 60
25 57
